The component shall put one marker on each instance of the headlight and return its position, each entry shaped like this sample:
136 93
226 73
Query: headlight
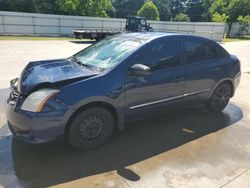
36 100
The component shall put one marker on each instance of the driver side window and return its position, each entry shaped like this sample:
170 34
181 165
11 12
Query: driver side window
162 54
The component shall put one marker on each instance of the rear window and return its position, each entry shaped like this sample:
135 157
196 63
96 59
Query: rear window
221 52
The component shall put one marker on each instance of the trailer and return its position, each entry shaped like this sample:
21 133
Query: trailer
133 24
96 34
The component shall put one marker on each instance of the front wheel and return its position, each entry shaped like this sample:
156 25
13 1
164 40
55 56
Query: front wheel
220 98
91 128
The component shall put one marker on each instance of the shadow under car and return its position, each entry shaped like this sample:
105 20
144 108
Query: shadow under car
55 163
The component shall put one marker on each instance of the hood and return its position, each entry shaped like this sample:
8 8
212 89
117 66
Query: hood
50 72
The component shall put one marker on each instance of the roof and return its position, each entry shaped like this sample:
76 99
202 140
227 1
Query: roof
148 36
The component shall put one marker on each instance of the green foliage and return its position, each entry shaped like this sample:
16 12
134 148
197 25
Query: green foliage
36 6
126 8
229 10
195 11
111 12
219 6
99 8
164 7
206 4
4 5
71 7
178 6
216 17
21 5
181 18
238 8
244 22
85 7
46 6
149 11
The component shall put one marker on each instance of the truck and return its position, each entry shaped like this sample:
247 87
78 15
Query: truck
133 24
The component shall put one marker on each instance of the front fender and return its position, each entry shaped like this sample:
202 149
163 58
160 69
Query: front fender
95 99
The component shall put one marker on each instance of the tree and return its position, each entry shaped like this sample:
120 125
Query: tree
99 8
181 18
229 11
111 12
4 5
96 8
149 11
46 6
195 11
216 17
244 23
164 9
206 4
126 8
21 6
177 7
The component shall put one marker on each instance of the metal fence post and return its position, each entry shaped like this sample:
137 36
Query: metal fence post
33 25
59 26
3 23
212 32
82 23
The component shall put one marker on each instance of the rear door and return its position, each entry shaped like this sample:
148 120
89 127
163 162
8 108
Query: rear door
202 67
164 86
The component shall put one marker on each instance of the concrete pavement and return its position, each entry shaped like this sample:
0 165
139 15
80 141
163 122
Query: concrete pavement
188 148
241 49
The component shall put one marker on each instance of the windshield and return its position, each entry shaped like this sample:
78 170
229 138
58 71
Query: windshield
107 53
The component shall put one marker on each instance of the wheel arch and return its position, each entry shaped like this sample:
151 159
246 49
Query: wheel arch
229 81
102 104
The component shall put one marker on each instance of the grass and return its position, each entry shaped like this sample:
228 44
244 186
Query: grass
4 37
247 37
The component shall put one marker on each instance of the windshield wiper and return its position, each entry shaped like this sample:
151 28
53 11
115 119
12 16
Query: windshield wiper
73 58
80 63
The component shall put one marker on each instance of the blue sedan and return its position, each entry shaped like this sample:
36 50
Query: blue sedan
84 98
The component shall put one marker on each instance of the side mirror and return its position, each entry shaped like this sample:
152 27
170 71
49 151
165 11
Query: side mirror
139 70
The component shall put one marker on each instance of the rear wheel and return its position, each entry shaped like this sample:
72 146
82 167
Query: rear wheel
91 128
220 98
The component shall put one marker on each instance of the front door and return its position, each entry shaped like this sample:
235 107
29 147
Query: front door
164 86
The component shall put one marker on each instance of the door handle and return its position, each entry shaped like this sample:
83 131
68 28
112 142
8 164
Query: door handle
178 78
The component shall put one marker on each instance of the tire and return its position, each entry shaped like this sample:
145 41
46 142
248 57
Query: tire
220 98
91 128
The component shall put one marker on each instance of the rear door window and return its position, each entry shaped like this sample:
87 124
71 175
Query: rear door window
195 51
